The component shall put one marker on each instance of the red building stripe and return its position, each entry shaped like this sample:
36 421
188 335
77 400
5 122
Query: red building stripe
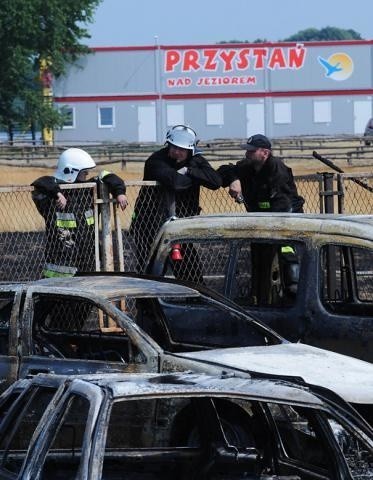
330 43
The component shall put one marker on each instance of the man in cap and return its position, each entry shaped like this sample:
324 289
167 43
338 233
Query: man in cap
261 181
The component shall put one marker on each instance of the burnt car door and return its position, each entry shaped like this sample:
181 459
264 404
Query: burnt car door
72 334
9 315
341 301
63 448
188 323
21 410
263 276
267 280
314 444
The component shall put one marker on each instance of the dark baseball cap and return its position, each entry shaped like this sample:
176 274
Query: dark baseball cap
256 141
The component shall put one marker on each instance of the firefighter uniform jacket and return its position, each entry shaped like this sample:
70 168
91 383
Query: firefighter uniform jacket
177 195
70 233
271 189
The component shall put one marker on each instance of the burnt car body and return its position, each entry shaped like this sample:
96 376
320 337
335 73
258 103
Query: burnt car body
184 426
309 277
127 323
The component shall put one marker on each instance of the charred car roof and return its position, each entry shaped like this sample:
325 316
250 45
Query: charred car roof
150 384
234 225
110 286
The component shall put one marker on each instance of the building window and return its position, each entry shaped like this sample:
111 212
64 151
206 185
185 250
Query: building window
322 111
106 117
282 112
175 115
68 117
215 114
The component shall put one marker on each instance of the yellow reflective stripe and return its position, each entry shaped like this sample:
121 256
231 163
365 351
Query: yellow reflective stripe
89 217
52 274
53 270
65 220
66 223
264 205
287 249
104 173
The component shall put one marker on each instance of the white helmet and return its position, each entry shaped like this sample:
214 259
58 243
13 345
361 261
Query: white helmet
71 162
183 137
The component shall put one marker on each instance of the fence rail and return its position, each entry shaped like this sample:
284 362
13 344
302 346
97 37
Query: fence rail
23 238
346 149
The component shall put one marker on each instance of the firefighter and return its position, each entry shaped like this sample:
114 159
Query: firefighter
180 170
263 183
69 215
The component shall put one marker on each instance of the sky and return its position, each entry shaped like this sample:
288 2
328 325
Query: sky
178 22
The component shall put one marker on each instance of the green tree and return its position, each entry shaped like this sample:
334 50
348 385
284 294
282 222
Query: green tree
33 32
258 40
311 35
326 33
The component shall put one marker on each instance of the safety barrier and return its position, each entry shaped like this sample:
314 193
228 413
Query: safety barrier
114 245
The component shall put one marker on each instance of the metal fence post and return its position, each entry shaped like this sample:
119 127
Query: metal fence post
331 252
97 230
328 192
107 238
341 193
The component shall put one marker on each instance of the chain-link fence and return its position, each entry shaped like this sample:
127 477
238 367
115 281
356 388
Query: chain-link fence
37 239
92 234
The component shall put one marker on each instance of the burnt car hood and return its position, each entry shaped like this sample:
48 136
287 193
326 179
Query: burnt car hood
351 378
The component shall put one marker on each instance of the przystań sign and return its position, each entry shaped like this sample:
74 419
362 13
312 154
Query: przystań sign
209 67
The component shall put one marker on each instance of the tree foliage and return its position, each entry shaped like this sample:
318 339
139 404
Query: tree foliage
311 35
326 33
33 32
257 40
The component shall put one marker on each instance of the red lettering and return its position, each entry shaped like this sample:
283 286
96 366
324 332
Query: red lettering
227 58
277 59
243 61
259 54
171 60
297 56
179 82
191 61
210 63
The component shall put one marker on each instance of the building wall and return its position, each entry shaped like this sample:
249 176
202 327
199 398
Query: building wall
222 91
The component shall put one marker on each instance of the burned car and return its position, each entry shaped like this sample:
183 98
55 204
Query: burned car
309 277
133 324
184 426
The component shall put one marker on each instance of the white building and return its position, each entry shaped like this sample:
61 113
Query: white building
134 94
